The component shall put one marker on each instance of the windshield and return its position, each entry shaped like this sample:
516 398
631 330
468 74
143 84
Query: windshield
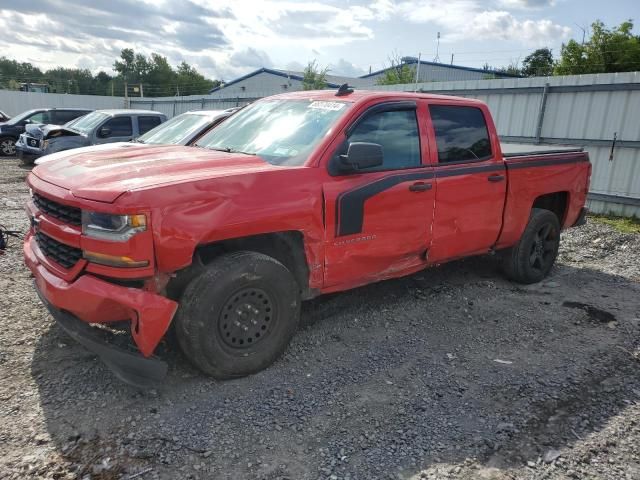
177 131
22 116
90 121
283 132
70 123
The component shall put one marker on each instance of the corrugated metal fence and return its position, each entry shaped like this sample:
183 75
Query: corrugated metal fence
172 106
13 103
584 110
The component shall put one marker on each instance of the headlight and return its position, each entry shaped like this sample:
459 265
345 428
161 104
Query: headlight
118 228
45 144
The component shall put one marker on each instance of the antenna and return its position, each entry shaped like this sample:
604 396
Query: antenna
344 89
437 57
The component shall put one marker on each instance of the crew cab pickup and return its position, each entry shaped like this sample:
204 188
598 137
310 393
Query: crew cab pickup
294 196
96 128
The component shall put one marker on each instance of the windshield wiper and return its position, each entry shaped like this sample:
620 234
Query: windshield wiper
230 150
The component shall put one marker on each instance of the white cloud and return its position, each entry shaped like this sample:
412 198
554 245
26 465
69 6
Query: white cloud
469 20
345 68
525 4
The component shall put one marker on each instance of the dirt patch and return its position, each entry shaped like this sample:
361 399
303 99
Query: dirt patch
450 373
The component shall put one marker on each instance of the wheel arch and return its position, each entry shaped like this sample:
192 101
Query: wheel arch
286 246
556 202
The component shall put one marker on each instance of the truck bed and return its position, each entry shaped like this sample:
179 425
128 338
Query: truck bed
526 149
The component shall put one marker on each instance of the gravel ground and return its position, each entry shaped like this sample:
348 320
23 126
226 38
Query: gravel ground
450 373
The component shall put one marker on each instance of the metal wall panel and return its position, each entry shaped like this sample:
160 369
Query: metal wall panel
585 109
13 103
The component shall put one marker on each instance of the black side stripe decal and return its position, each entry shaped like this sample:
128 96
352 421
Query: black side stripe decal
350 204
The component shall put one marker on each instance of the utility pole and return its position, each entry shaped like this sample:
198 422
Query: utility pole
126 94
141 92
584 31
112 88
437 59
452 59
417 72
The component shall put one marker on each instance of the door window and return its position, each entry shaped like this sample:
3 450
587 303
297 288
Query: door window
119 127
397 133
40 117
461 133
147 123
64 116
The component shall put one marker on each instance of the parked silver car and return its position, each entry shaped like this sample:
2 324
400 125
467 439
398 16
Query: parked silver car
184 129
98 127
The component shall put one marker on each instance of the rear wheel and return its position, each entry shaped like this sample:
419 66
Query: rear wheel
238 316
7 146
531 259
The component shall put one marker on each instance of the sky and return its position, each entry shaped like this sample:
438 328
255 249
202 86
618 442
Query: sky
224 40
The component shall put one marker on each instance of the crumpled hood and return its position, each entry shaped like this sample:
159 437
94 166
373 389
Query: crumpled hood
43 131
104 175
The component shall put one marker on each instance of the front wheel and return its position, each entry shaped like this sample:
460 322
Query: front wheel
7 146
531 259
238 316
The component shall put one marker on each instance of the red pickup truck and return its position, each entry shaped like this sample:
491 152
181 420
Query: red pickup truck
295 196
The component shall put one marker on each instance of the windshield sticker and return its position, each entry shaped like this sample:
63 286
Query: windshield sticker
334 106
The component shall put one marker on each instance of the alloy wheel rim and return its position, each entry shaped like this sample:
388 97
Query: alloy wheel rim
543 247
8 147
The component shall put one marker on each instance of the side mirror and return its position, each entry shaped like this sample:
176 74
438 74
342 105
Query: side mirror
104 132
362 155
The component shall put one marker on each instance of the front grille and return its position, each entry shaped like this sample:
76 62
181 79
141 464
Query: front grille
65 213
58 252
33 142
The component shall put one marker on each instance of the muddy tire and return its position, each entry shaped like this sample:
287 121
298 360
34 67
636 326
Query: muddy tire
7 146
532 258
239 315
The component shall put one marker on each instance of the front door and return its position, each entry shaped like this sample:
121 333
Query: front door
378 220
116 129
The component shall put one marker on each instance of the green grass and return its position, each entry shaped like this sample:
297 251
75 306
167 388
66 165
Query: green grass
622 224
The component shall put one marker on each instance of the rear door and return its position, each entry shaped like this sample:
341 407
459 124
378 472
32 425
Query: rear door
378 220
470 181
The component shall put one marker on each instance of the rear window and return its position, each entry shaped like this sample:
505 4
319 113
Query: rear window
461 133
147 123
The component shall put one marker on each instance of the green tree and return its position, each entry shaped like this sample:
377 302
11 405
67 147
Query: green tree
539 63
314 78
191 82
397 73
607 51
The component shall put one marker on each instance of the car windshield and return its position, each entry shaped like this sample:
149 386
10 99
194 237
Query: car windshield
18 118
70 123
283 132
90 121
177 131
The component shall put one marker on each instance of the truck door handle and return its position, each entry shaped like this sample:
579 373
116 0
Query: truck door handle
420 187
495 178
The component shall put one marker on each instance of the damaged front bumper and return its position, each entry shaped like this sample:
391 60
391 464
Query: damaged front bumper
88 299
131 368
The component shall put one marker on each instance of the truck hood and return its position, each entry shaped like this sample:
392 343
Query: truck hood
104 175
42 131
